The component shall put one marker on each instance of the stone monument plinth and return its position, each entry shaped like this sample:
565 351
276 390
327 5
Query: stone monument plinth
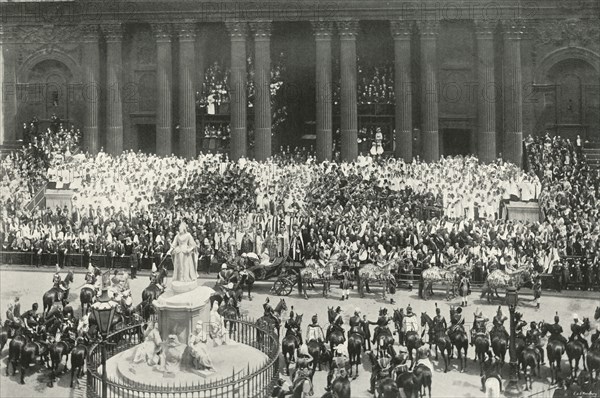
180 307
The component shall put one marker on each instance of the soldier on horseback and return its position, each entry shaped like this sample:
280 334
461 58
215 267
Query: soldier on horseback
457 322
315 332
381 371
268 311
340 364
576 331
498 322
293 328
382 324
337 322
356 324
224 275
556 331
439 322
520 324
31 318
534 339
479 326
410 322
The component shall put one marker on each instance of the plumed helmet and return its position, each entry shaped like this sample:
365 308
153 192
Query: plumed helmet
437 310
357 310
532 325
556 318
459 310
224 266
499 312
314 318
338 309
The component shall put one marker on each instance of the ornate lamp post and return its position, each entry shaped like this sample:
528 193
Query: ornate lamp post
103 312
512 389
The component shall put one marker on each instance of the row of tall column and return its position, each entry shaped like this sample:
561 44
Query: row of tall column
402 32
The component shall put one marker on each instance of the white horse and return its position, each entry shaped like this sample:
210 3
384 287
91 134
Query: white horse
492 388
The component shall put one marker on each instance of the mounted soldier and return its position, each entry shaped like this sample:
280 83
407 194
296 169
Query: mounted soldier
479 326
556 331
577 331
439 322
268 311
292 326
337 322
356 324
410 321
315 332
533 339
498 322
457 322
382 324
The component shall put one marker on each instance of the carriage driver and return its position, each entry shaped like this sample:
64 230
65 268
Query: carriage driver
315 332
576 332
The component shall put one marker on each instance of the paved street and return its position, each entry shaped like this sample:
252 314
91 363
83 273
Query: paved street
31 285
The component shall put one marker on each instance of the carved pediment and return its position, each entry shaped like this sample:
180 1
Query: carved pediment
26 51
568 32
47 34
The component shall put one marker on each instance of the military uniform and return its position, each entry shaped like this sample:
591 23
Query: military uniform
355 323
479 326
556 331
439 323
382 326
576 334
533 338
337 323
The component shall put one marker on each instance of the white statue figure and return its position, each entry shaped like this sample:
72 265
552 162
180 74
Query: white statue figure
218 332
197 342
172 355
185 255
148 350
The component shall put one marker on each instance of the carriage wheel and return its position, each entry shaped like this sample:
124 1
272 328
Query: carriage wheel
278 286
287 287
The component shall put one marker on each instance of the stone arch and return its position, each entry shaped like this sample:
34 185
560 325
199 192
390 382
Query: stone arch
564 54
45 55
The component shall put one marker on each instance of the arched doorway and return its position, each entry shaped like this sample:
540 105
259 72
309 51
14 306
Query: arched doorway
49 91
570 104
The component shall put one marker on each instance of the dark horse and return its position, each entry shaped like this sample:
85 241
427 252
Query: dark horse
385 386
340 387
33 349
15 347
247 279
423 374
355 344
482 348
530 358
575 350
291 343
337 335
78 355
413 342
593 359
270 324
407 381
460 340
8 331
440 339
499 342
554 349
57 293
59 350
152 291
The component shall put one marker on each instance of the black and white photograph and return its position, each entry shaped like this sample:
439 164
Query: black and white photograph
300 198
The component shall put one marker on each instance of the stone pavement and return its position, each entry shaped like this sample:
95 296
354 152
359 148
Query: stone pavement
30 284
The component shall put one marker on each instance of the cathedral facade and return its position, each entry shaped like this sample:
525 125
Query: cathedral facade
464 77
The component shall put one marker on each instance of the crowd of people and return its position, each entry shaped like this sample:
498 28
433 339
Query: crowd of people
370 210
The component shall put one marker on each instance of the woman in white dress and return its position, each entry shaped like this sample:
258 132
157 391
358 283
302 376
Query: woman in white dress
149 348
185 255
218 332
197 342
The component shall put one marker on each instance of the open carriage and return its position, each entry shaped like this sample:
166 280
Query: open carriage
288 277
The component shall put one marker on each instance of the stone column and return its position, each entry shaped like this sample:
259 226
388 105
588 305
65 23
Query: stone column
10 129
237 89
348 30
431 140
486 93
402 32
262 82
323 33
187 90
114 105
164 79
91 89
513 95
